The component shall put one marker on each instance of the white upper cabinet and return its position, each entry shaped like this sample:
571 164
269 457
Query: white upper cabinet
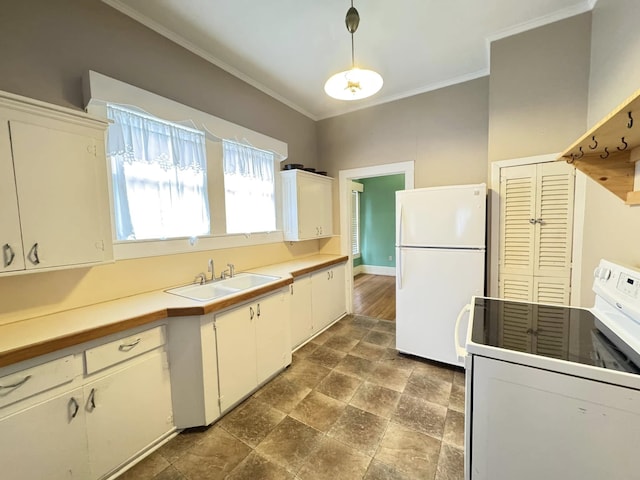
307 205
54 204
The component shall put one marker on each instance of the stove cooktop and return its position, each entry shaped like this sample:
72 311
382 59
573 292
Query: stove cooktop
565 333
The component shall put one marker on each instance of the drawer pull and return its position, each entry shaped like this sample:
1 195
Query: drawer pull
74 404
125 347
16 385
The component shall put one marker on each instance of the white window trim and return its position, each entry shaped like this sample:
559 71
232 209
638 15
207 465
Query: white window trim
100 89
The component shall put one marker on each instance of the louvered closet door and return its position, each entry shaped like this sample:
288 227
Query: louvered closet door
516 287
553 290
517 209
554 219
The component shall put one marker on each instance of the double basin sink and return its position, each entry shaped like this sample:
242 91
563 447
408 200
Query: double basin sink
221 288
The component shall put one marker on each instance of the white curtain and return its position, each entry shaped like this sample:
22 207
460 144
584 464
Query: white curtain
249 188
159 176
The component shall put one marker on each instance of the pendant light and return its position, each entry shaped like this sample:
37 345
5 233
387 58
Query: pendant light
356 83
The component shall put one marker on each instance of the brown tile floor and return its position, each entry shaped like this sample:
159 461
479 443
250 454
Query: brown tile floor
349 407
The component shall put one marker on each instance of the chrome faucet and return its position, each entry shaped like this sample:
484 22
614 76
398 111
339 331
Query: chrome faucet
211 269
229 272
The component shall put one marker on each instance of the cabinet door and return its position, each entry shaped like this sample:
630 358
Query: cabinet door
554 219
337 300
324 205
127 411
58 193
47 440
273 340
11 238
517 219
321 290
310 195
236 344
301 321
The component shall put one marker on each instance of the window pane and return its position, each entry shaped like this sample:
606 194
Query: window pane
158 177
249 188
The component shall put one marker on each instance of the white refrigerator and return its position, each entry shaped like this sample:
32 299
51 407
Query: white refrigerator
440 265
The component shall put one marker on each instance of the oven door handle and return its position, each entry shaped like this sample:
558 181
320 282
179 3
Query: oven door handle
461 351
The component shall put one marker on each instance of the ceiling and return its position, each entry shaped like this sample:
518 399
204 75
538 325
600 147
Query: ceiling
288 48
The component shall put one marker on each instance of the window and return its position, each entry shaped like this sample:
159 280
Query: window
249 188
355 223
159 177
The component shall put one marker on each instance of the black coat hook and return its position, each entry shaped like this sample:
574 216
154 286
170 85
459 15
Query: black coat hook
624 145
572 159
595 145
605 154
630 122
581 154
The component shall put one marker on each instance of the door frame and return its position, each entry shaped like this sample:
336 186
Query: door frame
345 177
578 222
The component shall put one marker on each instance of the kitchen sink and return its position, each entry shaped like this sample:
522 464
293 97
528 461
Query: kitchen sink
222 288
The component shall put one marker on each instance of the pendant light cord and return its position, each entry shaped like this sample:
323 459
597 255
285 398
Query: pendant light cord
353 61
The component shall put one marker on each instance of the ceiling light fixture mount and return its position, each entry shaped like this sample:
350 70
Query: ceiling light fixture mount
356 83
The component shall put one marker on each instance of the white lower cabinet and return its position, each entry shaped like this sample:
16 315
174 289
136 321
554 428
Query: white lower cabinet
253 343
127 411
47 440
318 300
301 321
60 422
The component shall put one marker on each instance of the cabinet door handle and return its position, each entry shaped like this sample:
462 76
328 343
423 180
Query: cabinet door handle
258 310
15 385
33 254
8 254
328 275
92 399
125 347
73 404
331 274
251 313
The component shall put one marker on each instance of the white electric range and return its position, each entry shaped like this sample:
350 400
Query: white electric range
554 392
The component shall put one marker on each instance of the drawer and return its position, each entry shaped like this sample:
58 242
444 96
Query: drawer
30 381
111 353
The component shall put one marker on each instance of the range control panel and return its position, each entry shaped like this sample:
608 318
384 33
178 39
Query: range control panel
628 285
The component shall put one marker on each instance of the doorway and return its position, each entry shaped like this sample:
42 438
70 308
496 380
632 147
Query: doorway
368 288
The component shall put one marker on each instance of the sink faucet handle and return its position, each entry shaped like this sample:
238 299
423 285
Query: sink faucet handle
200 279
211 269
232 269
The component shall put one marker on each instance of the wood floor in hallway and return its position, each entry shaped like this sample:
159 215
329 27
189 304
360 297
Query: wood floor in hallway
374 296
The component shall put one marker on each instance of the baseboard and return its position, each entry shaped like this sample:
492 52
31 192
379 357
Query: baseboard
357 270
377 270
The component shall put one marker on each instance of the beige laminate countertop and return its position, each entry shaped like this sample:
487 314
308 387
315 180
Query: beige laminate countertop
40 335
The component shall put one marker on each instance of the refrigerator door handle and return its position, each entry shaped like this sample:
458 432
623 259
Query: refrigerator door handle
399 269
400 228
461 351
399 255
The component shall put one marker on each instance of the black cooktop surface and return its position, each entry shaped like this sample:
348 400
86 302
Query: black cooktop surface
565 333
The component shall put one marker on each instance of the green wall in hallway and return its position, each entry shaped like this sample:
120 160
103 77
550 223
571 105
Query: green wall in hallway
377 219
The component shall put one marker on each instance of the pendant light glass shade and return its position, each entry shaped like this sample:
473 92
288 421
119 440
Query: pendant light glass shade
353 84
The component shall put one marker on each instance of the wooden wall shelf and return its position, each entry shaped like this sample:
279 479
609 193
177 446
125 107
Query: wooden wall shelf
608 152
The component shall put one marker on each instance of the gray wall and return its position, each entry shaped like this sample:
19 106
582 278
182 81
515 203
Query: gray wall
443 131
47 45
538 89
611 229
